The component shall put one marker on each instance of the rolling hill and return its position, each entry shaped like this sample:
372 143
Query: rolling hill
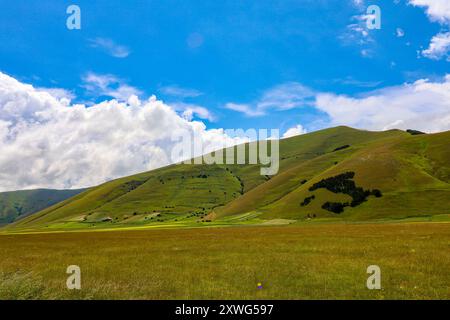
337 172
412 174
19 204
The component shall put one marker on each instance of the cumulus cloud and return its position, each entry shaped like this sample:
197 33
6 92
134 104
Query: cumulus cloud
59 93
422 105
437 11
294 131
46 142
439 47
110 47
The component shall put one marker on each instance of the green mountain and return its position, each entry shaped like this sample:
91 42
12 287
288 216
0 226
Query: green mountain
19 204
338 172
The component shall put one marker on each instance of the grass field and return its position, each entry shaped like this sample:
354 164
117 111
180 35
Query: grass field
303 261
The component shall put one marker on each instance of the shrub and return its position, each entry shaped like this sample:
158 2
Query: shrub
341 148
377 193
335 207
338 184
307 200
414 132
132 185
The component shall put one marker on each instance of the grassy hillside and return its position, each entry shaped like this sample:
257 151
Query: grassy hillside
411 173
19 204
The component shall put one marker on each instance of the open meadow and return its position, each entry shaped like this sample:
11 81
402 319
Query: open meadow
302 261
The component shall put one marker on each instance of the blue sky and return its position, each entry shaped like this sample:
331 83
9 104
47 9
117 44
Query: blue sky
219 52
104 101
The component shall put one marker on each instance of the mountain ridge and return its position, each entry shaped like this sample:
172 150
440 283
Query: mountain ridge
18 204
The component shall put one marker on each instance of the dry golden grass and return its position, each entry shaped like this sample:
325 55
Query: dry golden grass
323 261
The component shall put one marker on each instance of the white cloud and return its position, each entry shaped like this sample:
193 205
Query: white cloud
439 47
190 110
108 85
437 11
110 47
58 93
282 97
46 143
422 105
294 131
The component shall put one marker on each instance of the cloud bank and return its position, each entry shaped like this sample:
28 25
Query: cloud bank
47 142
422 105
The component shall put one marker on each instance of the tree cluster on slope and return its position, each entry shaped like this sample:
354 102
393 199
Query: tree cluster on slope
342 183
